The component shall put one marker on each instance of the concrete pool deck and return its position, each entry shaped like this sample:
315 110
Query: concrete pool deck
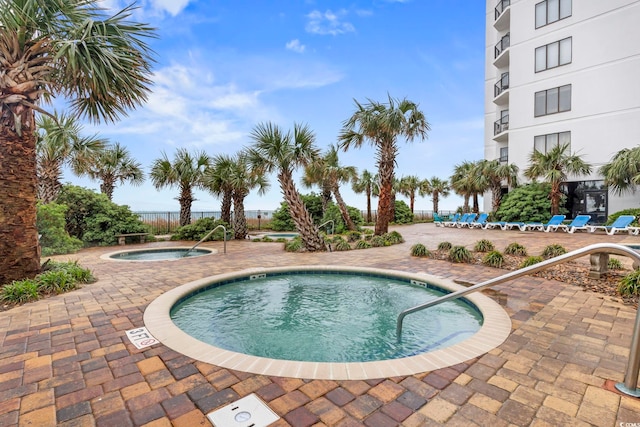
65 361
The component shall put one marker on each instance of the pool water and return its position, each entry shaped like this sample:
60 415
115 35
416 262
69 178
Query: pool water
323 317
158 254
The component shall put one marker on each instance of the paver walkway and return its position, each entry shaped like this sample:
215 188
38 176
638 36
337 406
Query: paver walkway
65 361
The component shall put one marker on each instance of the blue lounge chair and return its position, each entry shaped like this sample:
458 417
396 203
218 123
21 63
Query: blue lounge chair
480 222
578 223
554 221
512 225
454 220
494 224
438 220
620 224
468 220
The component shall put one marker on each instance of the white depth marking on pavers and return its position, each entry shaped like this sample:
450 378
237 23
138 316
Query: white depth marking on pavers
250 411
141 337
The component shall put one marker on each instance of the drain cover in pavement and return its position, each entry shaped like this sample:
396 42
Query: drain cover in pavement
250 411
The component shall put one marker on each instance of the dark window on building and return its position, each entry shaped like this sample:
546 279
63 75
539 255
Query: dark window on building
550 11
553 55
552 101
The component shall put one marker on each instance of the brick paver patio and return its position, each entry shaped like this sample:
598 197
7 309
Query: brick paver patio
65 361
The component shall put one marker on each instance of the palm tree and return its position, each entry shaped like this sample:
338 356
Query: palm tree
59 143
381 125
243 179
276 151
554 167
435 187
408 186
327 171
365 183
622 173
216 179
462 182
114 165
494 173
100 63
186 171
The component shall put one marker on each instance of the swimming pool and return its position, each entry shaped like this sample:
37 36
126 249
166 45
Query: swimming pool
494 329
158 254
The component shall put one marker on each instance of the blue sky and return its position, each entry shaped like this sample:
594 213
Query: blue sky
224 66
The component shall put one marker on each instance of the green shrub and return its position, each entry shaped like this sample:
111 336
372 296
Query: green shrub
630 284
343 245
94 219
332 213
459 254
403 214
515 249
553 250
55 282
393 238
353 236
281 240
444 246
257 239
483 245
378 241
200 229
281 219
20 291
368 231
77 273
267 239
529 261
614 264
420 250
528 203
634 211
54 238
293 245
363 244
493 259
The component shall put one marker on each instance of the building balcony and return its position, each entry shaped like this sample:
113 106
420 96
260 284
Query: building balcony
501 127
501 52
501 90
502 15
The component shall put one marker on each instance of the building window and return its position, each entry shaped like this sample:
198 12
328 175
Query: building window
549 11
552 101
553 55
546 143
504 154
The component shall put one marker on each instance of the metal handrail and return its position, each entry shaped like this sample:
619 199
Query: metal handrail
502 45
633 367
333 225
224 238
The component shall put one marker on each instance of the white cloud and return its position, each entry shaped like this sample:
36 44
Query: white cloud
295 46
173 7
328 23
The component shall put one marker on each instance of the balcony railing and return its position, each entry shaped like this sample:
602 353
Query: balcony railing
501 125
502 85
502 5
502 45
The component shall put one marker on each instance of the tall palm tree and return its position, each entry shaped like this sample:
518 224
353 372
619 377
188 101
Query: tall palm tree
114 165
216 180
554 167
243 178
327 172
381 125
435 187
365 183
409 186
494 173
276 151
186 171
622 173
59 143
100 63
462 182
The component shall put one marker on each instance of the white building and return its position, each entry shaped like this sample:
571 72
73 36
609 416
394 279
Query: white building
563 71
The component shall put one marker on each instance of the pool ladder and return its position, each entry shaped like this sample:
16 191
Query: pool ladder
630 384
224 230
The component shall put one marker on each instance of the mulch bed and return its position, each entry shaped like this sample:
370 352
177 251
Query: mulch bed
572 272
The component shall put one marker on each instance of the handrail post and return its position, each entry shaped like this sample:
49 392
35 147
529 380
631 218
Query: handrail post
630 384
332 225
224 238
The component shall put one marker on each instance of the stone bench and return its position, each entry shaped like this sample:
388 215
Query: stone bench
122 237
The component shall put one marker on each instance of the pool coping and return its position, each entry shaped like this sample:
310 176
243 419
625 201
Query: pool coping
108 256
494 331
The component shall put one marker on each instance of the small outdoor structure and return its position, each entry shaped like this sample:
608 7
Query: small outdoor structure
122 237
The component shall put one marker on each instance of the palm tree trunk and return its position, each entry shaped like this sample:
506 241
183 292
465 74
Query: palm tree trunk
465 206
309 233
326 198
343 209
436 200
48 183
496 195
368 205
19 249
225 208
385 202
412 200
239 218
476 204
555 198
186 199
107 187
